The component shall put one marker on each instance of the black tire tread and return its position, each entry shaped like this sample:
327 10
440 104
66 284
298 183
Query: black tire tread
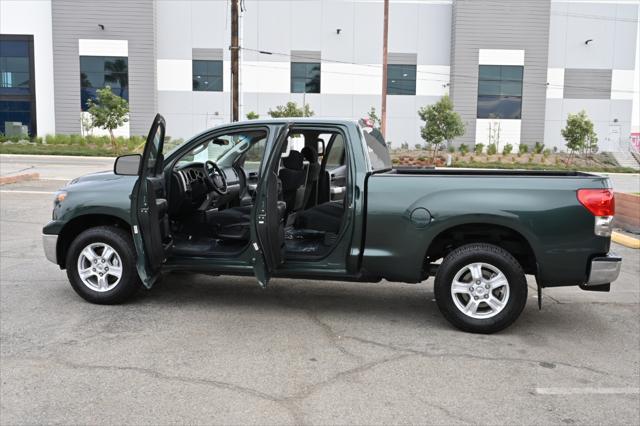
129 283
517 284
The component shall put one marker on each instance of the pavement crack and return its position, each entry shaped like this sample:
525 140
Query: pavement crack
477 357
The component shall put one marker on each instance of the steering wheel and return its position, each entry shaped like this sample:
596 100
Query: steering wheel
215 178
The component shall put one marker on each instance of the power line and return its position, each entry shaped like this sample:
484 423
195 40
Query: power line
448 76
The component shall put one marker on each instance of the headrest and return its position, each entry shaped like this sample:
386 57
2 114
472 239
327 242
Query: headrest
309 154
293 161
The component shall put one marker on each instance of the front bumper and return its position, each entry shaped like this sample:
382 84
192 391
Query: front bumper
604 270
50 245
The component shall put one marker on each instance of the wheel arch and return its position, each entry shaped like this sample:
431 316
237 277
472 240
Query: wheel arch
78 224
500 235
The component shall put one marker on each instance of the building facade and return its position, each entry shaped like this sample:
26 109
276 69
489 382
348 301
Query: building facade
514 69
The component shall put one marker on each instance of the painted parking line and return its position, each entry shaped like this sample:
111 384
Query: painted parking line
17 191
588 391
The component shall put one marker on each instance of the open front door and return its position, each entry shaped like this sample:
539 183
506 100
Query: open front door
149 212
267 232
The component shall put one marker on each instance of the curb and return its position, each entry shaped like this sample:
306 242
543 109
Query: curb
4 180
625 240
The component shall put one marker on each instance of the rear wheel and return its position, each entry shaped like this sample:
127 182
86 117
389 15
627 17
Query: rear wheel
101 265
480 288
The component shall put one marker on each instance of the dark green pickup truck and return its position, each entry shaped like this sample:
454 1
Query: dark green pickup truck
319 199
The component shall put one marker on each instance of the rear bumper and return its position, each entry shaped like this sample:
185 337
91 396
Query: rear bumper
50 245
604 270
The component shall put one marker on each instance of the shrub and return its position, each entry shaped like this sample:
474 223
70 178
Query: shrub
418 146
492 149
523 149
463 148
507 149
252 115
478 148
538 148
404 145
546 153
451 149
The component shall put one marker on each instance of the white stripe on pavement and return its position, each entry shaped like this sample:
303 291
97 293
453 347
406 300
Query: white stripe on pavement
588 391
9 191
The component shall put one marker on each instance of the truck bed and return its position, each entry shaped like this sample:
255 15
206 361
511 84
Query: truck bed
484 172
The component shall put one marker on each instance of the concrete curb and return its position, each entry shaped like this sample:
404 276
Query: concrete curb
4 180
625 240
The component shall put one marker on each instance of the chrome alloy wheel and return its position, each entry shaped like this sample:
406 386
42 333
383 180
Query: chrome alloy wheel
99 267
480 290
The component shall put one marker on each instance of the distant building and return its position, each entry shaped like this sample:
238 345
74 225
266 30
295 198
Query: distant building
514 69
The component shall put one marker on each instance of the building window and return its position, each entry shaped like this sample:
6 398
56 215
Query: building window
305 77
500 91
97 72
401 79
207 76
17 86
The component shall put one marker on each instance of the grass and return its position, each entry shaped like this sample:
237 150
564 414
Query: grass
534 166
91 146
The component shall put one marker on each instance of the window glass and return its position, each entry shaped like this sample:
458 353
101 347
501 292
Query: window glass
97 72
305 77
254 155
500 91
335 156
207 76
154 149
17 97
401 79
15 78
377 149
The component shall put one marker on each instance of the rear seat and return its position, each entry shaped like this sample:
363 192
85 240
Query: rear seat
326 217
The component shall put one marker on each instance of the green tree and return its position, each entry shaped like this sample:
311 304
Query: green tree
251 115
442 123
374 118
291 109
578 133
109 111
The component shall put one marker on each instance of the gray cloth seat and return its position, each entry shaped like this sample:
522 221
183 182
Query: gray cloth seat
234 223
326 217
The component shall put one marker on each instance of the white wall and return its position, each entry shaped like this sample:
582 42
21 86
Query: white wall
26 17
351 68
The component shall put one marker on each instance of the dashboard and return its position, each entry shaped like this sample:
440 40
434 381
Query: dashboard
189 183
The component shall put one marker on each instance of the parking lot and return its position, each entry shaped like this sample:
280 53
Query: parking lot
200 349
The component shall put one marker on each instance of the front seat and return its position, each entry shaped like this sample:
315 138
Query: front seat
234 223
293 176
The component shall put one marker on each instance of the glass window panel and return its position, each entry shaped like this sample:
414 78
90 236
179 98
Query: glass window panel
489 72
305 77
489 87
401 79
513 73
499 107
97 72
510 88
207 76
14 48
15 64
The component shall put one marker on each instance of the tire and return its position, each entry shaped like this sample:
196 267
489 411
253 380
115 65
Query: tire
493 304
94 288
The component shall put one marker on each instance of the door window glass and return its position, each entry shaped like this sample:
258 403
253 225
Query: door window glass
335 157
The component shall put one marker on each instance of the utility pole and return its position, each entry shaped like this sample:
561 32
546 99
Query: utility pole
235 50
385 38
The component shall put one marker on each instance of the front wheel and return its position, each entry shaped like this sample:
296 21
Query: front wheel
480 288
101 265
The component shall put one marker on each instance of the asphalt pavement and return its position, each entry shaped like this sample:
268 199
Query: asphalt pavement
210 350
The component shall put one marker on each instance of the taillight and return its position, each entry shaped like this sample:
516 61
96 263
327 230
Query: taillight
599 202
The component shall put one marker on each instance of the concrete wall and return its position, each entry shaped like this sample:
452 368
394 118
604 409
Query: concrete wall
608 59
499 25
350 61
34 18
132 20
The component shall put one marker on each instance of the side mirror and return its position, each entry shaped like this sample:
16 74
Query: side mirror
127 165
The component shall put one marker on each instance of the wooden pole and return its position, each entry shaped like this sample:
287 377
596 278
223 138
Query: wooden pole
235 47
385 38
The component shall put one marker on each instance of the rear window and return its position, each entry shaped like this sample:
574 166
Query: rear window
376 149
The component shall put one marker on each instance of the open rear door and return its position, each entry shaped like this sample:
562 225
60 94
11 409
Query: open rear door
267 232
149 212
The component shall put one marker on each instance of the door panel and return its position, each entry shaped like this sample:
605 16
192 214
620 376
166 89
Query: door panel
267 234
149 207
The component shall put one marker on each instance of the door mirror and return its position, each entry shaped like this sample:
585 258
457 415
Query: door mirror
127 165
